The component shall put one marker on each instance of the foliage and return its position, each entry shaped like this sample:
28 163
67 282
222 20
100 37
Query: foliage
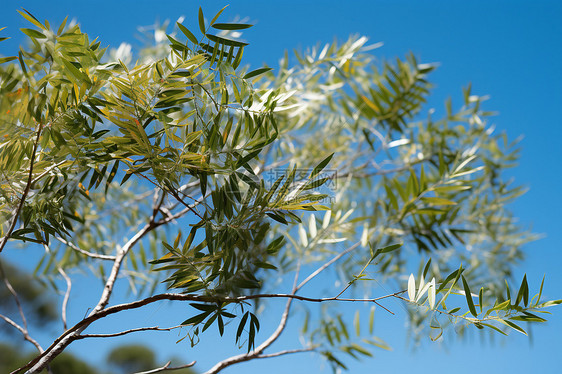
216 176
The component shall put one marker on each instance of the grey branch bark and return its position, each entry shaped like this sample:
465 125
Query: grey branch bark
167 367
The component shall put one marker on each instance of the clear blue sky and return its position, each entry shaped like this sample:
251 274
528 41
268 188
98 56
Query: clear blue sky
510 50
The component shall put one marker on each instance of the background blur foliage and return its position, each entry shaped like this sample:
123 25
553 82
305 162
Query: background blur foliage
216 175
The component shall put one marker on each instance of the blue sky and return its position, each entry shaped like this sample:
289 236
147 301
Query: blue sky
510 50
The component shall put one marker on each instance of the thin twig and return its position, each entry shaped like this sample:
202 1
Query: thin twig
14 294
68 287
47 171
388 310
24 332
286 352
71 334
257 352
167 367
66 296
121 333
109 284
84 252
323 267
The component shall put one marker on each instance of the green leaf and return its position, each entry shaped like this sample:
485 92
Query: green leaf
454 275
204 307
469 297
454 310
33 33
540 291
218 14
201 21
231 26
550 303
241 326
426 268
28 16
77 74
225 41
500 306
450 188
481 298
513 326
7 59
266 265
320 166
187 33
523 293
255 73
387 249
437 201
61 27
493 327
195 320
250 156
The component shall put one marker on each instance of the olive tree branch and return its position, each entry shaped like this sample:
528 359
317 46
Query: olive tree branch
70 335
256 352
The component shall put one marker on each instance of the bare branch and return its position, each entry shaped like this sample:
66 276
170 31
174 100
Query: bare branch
286 352
23 331
284 318
108 288
323 267
14 294
47 171
71 334
66 296
68 287
167 367
121 333
84 252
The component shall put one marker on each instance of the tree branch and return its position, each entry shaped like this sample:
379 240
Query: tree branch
121 333
323 267
167 367
71 334
84 252
23 331
109 284
66 296
286 352
14 294
4 240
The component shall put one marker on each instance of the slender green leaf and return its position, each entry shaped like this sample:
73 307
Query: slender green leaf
231 26
187 33
468 297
